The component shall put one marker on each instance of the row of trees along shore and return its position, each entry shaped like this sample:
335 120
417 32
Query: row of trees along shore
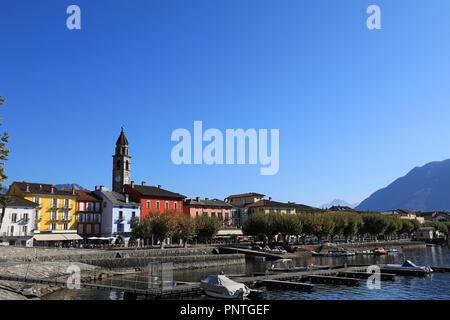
332 225
172 224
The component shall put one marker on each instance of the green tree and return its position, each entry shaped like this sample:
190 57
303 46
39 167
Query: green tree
186 229
5 200
374 224
289 224
354 224
323 226
163 225
307 226
206 227
340 220
142 229
407 227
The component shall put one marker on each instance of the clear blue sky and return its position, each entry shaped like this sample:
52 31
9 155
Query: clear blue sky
356 108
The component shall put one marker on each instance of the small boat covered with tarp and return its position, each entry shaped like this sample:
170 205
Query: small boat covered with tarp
220 286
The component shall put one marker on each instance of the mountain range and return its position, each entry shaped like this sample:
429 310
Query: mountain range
425 188
338 202
69 186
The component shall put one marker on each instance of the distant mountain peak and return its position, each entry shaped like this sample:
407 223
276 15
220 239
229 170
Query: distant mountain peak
338 202
425 188
69 186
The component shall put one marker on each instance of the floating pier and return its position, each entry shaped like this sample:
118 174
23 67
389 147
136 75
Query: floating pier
440 269
249 252
287 285
365 275
332 280
413 272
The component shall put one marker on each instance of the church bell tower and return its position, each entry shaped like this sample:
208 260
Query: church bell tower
121 164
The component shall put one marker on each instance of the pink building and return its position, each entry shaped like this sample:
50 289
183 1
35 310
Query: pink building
211 208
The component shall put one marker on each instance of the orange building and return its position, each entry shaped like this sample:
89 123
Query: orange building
211 208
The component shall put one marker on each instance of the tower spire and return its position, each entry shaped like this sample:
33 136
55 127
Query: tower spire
121 163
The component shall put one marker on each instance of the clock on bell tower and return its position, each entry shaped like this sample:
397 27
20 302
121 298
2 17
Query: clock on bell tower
121 164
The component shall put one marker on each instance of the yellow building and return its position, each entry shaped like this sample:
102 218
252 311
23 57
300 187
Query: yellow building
55 218
269 206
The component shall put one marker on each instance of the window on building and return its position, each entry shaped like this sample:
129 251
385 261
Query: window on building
175 205
81 206
37 200
205 214
133 214
54 215
120 215
36 226
80 229
97 206
226 216
13 217
88 228
38 214
54 226
148 204
25 217
65 226
167 205
66 203
120 228
213 214
97 218
54 202
196 213
89 206
157 204
97 228
11 230
25 230
220 215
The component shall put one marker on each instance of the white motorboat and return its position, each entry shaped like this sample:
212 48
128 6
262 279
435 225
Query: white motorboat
408 264
224 288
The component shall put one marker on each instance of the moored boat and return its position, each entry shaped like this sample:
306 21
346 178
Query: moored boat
219 286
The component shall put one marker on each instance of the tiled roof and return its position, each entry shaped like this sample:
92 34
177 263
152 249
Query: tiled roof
21 202
118 199
243 195
151 191
302 207
206 203
270 203
41 188
86 195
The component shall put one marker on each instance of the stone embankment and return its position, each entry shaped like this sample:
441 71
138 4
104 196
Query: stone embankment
94 264
13 290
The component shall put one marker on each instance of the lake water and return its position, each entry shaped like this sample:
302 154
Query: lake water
434 287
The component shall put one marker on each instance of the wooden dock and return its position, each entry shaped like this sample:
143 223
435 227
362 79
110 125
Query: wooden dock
287 285
440 269
365 275
413 272
333 280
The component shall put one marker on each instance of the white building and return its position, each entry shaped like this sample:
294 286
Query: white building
118 212
17 222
